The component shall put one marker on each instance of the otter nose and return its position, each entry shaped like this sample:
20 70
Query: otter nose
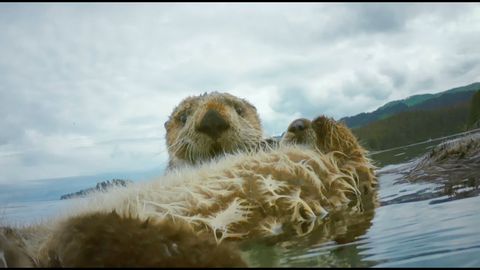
297 126
212 124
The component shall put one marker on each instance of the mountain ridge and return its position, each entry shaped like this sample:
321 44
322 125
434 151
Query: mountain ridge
416 102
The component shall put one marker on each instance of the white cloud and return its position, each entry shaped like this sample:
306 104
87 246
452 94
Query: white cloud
85 88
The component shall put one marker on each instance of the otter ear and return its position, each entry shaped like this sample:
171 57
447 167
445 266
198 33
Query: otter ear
166 123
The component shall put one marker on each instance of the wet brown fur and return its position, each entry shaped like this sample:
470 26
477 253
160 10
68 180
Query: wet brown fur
331 136
109 240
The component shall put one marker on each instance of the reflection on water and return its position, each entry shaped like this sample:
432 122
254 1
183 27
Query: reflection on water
428 217
332 243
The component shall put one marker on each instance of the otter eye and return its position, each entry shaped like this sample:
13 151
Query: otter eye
183 118
239 110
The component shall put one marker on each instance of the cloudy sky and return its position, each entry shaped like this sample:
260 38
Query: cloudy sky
86 88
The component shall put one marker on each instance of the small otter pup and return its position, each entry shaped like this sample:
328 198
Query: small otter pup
328 135
203 127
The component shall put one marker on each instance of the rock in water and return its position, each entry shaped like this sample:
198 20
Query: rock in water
102 187
454 166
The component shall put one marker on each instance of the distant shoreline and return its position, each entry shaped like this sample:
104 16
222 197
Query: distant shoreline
428 141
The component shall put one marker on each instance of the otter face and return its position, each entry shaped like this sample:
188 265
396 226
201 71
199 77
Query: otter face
300 131
206 126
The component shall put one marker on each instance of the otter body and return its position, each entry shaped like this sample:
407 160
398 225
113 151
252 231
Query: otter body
234 190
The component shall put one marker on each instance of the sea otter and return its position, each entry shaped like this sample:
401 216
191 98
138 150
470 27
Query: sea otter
290 189
245 194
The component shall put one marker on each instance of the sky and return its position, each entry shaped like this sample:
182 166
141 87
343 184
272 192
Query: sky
85 88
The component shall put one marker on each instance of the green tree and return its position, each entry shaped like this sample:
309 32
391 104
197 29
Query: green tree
474 109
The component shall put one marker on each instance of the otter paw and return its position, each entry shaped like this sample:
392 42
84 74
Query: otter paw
334 136
322 125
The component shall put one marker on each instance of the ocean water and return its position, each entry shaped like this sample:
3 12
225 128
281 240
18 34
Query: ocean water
419 224
415 226
33 201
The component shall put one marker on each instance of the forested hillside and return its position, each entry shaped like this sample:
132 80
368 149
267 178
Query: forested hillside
448 98
474 119
413 126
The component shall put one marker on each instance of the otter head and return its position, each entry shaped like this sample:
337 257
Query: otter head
300 131
203 127
323 133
